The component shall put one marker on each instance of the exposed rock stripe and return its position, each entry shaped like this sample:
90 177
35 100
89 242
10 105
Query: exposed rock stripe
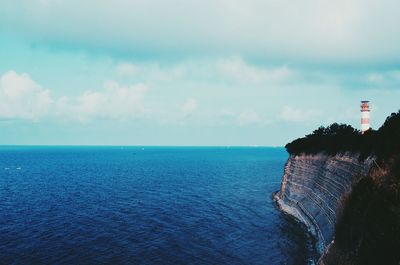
313 188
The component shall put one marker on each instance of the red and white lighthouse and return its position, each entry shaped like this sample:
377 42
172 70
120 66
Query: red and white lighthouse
365 116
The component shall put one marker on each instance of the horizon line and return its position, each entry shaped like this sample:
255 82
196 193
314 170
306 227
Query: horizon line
115 145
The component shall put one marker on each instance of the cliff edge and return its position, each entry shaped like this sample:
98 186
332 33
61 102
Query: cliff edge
345 187
314 187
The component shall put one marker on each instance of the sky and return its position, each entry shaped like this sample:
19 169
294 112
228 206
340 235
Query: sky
188 72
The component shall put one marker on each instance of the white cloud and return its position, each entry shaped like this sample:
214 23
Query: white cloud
249 117
151 71
126 69
114 102
235 68
22 98
232 69
189 106
298 115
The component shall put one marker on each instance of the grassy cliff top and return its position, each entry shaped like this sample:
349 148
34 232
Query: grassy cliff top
338 138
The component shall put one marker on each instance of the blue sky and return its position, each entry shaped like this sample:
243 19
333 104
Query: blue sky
193 72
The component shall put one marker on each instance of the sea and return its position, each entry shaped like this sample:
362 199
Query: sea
145 205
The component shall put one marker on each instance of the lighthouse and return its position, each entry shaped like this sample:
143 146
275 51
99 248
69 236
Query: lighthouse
365 116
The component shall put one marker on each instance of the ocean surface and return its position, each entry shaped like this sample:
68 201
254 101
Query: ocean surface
145 205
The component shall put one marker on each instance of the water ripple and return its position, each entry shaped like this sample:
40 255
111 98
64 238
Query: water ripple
154 206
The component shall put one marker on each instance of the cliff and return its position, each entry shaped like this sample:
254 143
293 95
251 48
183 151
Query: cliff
345 187
314 187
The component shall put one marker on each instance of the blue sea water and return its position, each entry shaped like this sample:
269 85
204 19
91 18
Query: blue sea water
144 205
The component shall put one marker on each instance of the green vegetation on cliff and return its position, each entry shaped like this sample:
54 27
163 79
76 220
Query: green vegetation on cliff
337 138
368 230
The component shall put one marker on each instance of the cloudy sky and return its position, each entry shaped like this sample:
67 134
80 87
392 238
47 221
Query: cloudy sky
186 72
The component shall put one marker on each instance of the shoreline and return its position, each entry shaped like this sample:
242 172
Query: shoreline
317 247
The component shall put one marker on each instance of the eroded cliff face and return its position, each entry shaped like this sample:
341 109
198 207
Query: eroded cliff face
314 187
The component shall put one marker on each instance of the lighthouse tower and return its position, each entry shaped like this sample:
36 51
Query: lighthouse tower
365 116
